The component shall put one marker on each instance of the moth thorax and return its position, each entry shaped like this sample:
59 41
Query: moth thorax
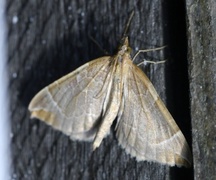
119 60
123 50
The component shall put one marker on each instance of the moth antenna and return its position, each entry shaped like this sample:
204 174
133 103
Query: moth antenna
98 45
125 34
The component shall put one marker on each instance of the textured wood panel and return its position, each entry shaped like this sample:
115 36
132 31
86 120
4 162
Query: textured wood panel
202 74
48 39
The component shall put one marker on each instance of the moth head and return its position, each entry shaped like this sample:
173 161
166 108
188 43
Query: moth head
124 48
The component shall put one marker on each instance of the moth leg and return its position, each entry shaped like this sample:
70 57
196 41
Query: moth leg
152 62
147 50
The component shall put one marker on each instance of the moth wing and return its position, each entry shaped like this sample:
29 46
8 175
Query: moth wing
145 128
70 104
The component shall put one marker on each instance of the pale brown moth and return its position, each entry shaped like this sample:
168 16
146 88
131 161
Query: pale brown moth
84 104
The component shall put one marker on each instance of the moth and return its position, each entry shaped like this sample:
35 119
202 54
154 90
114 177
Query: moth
84 103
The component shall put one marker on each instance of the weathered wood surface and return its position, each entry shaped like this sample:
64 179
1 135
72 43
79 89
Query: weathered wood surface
202 74
48 39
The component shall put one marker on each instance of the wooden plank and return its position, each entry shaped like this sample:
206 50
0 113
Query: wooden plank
49 39
202 70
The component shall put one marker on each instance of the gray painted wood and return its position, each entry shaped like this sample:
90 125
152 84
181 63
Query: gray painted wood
48 39
202 74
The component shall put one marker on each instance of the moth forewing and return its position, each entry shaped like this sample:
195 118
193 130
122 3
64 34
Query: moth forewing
146 129
70 104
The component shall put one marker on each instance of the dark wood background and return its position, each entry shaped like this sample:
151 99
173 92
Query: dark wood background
48 39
